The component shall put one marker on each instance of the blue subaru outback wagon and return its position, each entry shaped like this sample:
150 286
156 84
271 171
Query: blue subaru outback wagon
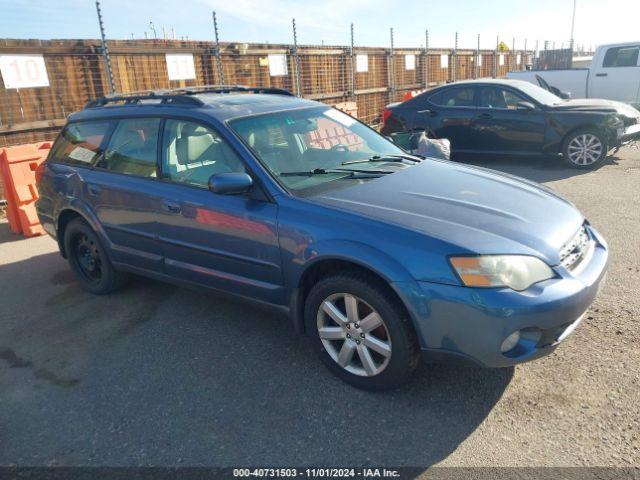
375 254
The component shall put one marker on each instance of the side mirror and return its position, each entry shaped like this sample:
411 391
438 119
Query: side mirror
230 183
563 95
526 106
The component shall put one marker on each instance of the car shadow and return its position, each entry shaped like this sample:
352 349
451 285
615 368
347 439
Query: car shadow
537 169
161 375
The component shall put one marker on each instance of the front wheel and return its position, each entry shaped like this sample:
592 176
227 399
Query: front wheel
360 331
585 148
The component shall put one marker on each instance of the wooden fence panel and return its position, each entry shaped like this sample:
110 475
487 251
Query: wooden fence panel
77 74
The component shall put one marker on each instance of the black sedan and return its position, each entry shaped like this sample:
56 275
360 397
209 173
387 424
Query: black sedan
514 117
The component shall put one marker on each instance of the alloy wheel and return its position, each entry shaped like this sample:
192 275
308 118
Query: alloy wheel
585 149
354 334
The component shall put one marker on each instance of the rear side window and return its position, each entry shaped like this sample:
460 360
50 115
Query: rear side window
455 97
621 57
133 148
79 143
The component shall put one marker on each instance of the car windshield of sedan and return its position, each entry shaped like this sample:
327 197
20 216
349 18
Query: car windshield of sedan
539 94
312 147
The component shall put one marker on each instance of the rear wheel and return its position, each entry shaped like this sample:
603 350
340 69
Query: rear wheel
360 332
88 259
585 148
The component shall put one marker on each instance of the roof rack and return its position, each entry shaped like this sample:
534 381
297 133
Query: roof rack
232 89
181 96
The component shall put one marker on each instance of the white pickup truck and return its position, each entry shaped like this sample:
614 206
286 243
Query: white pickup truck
614 74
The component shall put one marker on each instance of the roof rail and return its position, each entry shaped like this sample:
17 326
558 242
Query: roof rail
230 89
181 96
136 98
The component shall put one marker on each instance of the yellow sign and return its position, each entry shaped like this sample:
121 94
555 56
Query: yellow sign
503 47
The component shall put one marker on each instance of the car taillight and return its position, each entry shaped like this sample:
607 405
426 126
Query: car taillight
386 113
39 172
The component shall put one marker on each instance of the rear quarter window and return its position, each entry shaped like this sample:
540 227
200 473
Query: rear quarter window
79 143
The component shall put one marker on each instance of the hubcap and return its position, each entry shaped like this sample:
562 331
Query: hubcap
354 334
88 258
585 149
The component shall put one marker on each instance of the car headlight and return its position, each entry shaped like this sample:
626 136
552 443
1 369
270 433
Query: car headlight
517 272
615 121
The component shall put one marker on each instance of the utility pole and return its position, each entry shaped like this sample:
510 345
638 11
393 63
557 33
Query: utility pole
217 49
105 50
296 58
426 58
353 71
478 59
455 59
392 68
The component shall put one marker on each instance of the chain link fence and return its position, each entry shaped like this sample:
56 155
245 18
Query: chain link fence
49 79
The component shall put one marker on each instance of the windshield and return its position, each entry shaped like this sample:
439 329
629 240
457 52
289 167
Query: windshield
309 147
539 94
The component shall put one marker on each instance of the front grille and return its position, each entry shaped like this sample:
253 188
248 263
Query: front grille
575 250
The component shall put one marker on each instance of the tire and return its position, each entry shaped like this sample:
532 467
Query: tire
593 143
88 260
394 336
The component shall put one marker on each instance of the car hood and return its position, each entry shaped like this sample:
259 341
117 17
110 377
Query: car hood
598 105
473 209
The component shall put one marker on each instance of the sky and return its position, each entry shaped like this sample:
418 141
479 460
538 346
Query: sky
328 21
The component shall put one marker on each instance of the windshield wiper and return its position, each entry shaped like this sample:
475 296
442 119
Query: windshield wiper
387 157
324 171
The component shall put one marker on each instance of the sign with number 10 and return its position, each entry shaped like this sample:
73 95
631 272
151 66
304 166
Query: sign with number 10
23 71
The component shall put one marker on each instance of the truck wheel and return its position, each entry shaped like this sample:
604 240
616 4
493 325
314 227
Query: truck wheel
585 148
89 261
360 332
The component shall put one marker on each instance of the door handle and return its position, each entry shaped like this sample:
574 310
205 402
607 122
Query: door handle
431 113
601 74
485 116
171 207
94 189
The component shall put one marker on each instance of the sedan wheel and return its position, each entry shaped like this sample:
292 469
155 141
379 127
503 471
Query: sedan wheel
584 149
354 334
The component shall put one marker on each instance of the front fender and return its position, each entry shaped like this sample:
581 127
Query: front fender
367 257
351 251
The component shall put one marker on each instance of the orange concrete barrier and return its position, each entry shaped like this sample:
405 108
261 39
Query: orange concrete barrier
18 171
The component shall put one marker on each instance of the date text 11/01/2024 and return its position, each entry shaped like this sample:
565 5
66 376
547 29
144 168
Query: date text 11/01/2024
317 472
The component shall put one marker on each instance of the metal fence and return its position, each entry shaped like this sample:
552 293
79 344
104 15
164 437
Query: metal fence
361 80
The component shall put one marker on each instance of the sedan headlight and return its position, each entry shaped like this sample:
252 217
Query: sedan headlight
517 272
615 121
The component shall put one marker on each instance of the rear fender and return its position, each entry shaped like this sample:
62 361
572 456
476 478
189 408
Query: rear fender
84 211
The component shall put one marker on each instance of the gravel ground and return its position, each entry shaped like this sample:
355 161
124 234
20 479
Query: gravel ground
158 375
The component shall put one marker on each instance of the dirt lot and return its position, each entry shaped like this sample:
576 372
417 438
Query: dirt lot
158 375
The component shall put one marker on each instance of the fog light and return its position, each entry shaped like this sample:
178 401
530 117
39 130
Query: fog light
510 342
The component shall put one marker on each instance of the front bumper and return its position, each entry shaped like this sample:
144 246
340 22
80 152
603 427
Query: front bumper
473 322
628 134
